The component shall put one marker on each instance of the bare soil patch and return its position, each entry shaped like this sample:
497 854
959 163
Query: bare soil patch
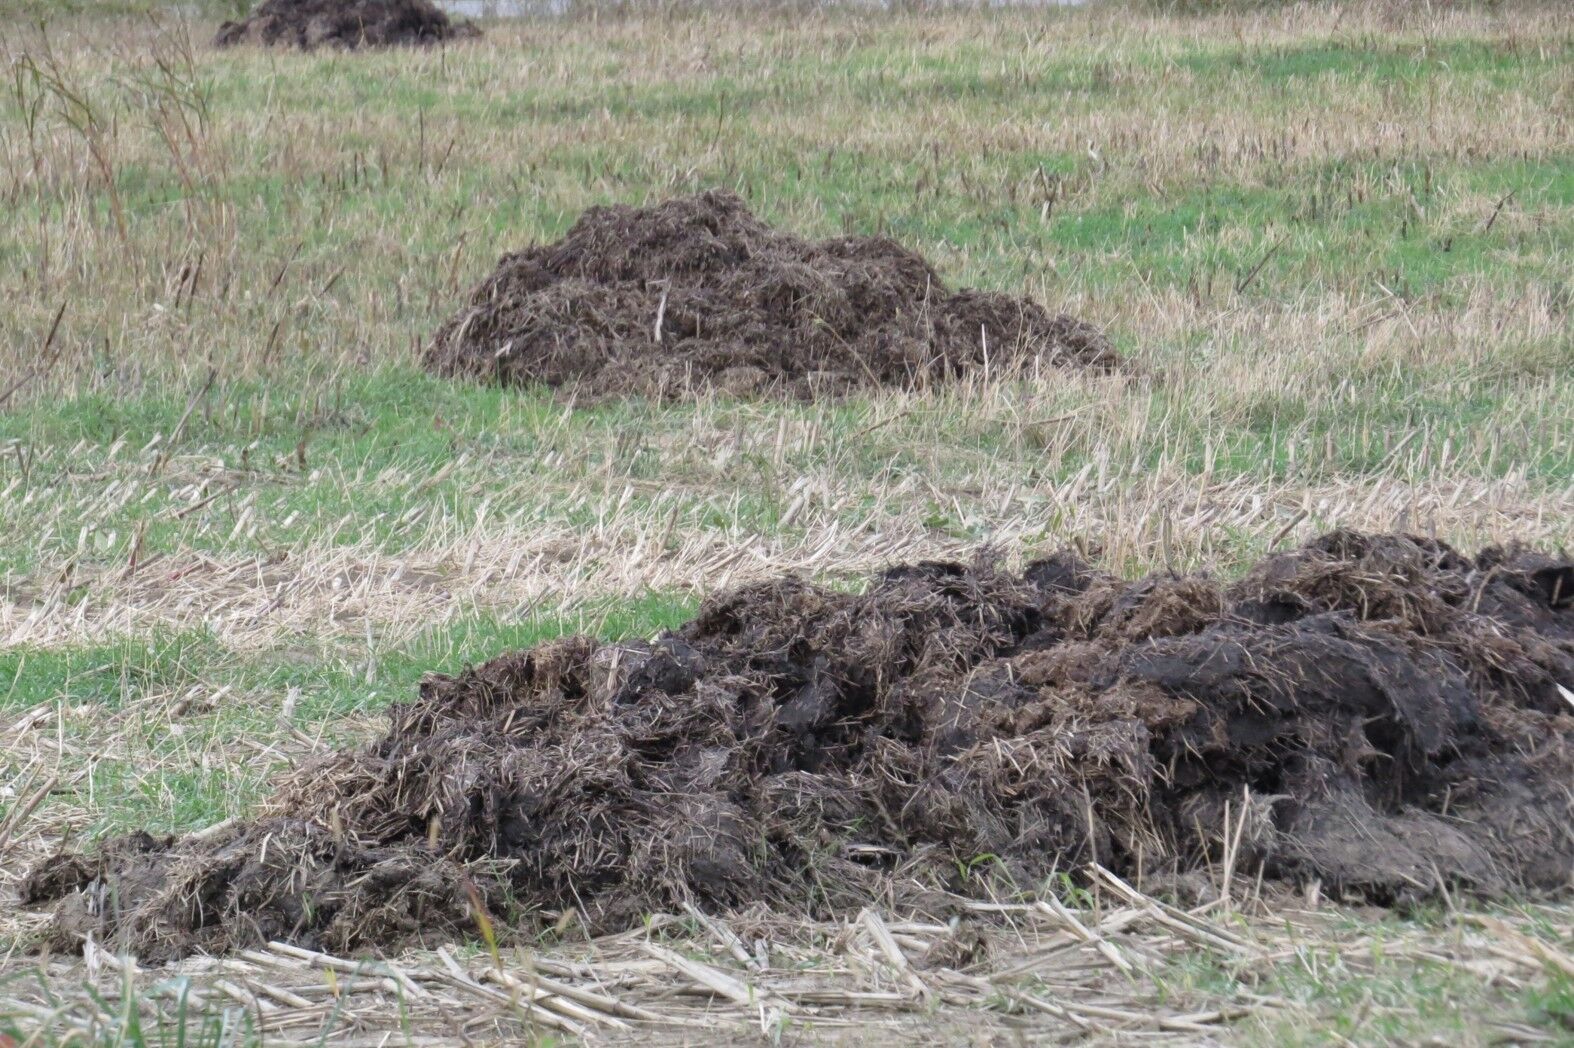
1379 713
698 293
310 24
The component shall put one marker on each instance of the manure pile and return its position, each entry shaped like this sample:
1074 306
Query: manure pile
310 24
1391 709
697 293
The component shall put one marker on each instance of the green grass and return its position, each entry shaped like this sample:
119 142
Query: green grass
1365 984
391 450
160 712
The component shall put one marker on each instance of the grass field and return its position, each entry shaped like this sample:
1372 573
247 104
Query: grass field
236 520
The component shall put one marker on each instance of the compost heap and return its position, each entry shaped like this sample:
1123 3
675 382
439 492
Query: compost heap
698 293
309 24
1382 714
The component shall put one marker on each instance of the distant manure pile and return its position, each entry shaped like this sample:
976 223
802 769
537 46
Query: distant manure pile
697 293
310 24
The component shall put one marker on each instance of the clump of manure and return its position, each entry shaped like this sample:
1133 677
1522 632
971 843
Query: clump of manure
348 24
697 293
1380 713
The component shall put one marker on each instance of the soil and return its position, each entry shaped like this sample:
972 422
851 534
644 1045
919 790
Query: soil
310 24
697 293
1378 713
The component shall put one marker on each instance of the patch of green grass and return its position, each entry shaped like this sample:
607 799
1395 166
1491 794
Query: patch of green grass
375 458
1387 222
185 731
1552 1003
1366 984
108 676
53 10
1405 63
338 677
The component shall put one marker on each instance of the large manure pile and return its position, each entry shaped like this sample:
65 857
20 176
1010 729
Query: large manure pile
698 293
1380 713
310 24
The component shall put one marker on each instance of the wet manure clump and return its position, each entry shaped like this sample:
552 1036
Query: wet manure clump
348 24
1378 713
697 293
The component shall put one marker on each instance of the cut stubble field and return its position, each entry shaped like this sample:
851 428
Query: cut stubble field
1333 244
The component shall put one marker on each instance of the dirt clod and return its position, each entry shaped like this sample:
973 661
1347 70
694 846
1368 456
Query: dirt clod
698 293
310 24
1379 713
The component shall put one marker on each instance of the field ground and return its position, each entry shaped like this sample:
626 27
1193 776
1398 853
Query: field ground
1336 241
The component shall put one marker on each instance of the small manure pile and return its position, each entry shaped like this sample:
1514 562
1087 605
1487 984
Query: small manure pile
1378 713
698 293
310 24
